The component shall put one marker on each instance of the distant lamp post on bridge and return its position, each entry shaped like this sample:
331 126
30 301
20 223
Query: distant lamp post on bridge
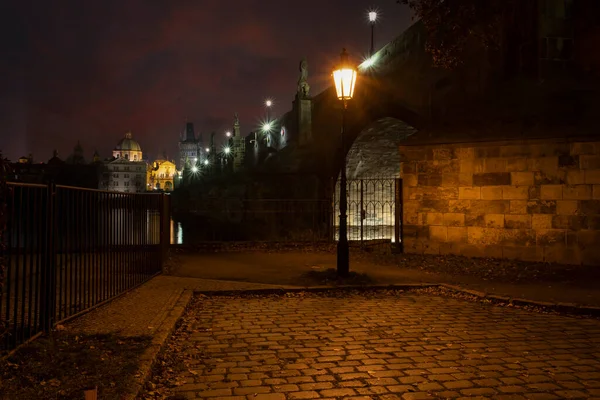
372 20
228 134
344 77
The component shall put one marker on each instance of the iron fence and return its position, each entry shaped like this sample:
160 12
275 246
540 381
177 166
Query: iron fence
374 209
69 249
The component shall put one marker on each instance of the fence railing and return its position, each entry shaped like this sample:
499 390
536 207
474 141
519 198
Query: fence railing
374 209
69 249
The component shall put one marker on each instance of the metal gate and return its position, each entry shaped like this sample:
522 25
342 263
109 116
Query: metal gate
374 209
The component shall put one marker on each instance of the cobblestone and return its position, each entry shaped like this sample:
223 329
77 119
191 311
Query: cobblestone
386 345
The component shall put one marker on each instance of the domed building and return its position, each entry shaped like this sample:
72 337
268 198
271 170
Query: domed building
128 149
127 171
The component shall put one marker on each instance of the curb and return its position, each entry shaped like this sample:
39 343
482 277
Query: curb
160 337
563 308
316 289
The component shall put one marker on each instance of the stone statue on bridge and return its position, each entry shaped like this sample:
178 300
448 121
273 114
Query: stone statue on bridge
236 119
303 86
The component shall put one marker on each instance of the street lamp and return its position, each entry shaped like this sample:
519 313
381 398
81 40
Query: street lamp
228 134
344 77
372 21
268 104
226 150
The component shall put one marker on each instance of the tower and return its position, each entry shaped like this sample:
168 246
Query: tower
188 146
239 144
303 106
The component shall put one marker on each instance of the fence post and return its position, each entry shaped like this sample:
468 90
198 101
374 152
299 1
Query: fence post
398 231
362 213
48 254
165 229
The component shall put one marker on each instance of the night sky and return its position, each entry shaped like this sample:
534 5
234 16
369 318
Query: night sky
92 70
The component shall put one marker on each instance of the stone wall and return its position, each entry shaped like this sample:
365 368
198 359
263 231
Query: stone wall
529 200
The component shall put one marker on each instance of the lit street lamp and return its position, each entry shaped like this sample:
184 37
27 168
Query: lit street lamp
344 78
268 104
372 21
226 150
228 134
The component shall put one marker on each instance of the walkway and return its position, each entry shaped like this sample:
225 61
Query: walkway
290 268
393 345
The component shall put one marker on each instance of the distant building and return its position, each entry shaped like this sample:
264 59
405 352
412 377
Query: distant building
127 171
161 175
191 149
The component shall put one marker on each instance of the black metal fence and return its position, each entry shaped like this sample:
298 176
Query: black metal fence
69 249
374 209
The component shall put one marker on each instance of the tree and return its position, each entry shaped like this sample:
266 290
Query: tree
496 25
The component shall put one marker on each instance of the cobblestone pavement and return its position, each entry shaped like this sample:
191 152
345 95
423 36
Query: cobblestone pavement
386 345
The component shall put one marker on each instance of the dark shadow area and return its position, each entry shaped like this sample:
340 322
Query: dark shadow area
330 277
63 365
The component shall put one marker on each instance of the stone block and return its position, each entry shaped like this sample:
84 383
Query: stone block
577 192
465 179
491 179
575 177
580 148
519 237
457 234
556 178
438 167
464 153
412 218
410 153
475 220
567 207
517 150
442 153
515 192
594 222
459 206
521 179
494 165
454 219
416 232
592 176
541 221
491 193
588 239
484 236
489 207
596 192
450 179
551 192
516 164
471 165
569 222
568 161
562 254
431 247
589 207
518 207
409 167
589 161
469 193
430 205
541 207
535 192
434 219
590 256
409 180
522 221
479 251
550 237
430 193
524 253
494 220
431 179
438 233
549 165
413 246
487 151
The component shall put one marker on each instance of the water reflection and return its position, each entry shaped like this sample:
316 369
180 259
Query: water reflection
176 232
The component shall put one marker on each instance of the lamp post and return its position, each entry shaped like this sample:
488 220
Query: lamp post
268 104
344 77
372 21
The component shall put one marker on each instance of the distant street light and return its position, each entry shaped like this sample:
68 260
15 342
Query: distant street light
207 149
372 21
226 150
344 78
228 134
205 162
194 169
